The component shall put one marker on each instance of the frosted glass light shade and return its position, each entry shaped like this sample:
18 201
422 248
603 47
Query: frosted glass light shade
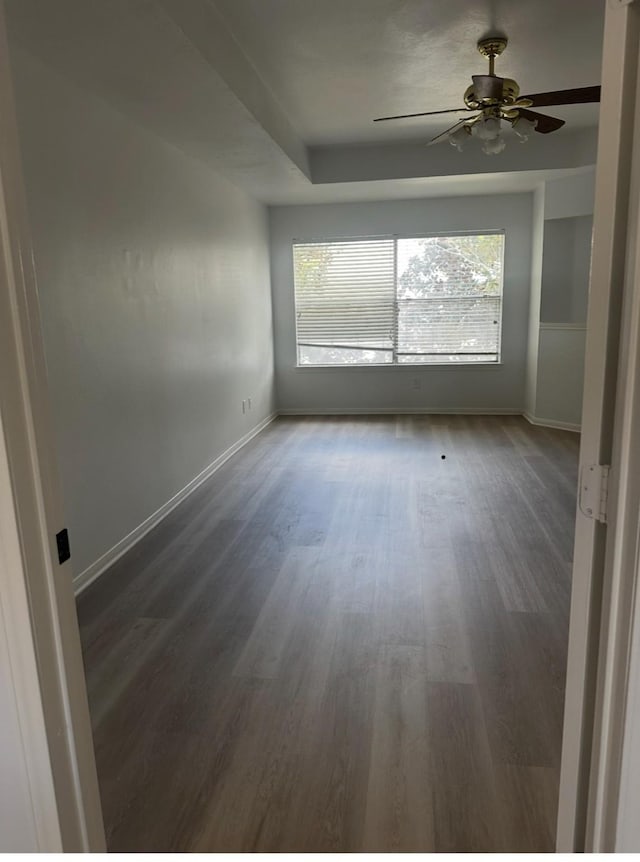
494 146
524 128
459 138
486 129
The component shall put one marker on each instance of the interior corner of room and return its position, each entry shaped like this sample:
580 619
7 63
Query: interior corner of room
171 159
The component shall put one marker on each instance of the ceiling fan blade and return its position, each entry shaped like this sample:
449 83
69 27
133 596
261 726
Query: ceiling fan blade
448 131
577 96
544 123
424 114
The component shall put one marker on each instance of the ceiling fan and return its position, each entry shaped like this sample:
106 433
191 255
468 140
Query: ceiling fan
494 100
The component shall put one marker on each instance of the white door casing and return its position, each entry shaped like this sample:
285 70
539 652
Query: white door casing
28 807
612 819
591 585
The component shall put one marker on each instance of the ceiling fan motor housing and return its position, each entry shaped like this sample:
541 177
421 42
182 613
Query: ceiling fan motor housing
491 91
485 90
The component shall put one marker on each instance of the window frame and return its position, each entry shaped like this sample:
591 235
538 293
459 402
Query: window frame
485 365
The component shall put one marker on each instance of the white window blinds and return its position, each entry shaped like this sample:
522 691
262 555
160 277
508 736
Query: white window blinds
432 328
405 300
345 298
449 298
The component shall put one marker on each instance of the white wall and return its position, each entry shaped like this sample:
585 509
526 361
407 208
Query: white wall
535 298
559 298
560 374
557 270
153 277
581 267
404 388
563 312
571 196
565 269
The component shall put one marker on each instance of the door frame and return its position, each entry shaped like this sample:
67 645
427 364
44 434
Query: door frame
617 665
601 575
38 603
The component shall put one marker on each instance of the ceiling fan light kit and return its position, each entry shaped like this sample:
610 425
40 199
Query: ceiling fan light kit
496 105
488 128
523 128
493 146
459 138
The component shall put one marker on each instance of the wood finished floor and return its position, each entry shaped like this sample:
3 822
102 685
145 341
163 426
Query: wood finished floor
343 642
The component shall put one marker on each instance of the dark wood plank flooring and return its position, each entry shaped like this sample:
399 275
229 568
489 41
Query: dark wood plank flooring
342 642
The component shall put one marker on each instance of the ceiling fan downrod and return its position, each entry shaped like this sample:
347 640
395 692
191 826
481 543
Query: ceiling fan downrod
491 48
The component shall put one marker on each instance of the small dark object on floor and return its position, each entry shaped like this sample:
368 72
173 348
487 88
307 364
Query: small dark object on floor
443 457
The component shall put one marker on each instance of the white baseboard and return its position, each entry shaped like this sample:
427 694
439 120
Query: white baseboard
92 572
552 423
402 411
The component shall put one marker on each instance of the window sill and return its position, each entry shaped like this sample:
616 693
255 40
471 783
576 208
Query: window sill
409 368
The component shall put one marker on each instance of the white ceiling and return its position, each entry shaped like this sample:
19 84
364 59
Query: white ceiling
279 95
334 65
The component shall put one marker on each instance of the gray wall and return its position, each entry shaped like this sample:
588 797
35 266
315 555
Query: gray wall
560 375
565 269
583 238
154 284
404 388
571 196
533 334
557 270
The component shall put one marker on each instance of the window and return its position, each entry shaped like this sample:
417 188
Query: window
399 300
